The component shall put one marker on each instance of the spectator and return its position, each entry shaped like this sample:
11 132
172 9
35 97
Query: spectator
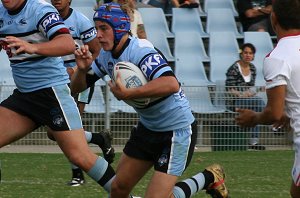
282 74
255 15
83 32
166 133
136 22
35 40
240 81
185 3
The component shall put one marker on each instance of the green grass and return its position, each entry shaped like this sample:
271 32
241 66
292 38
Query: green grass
263 174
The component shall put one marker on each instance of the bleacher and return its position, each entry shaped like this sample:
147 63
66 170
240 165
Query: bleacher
200 44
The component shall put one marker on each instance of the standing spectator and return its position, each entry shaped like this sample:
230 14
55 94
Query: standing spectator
255 15
83 32
282 74
165 135
136 22
240 82
35 37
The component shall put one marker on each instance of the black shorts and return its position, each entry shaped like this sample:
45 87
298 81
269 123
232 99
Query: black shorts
53 107
160 148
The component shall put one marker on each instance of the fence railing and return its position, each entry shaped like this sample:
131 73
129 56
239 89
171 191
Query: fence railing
217 129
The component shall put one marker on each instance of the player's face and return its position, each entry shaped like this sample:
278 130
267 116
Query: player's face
61 5
247 55
105 35
12 4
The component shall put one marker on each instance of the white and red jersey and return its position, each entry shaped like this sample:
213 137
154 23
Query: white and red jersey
282 67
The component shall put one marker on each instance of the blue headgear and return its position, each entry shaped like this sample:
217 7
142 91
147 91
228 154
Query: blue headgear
112 14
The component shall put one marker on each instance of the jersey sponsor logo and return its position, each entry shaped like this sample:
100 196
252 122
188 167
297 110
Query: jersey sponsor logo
89 34
51 20
150 63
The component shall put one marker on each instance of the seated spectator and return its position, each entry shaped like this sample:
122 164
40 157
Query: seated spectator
166 5
185 3
136 22
240 82
255 15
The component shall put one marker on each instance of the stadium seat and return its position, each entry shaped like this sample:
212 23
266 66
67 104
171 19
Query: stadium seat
208 4
190 71
187 20
190 43
221 20
223 43
223 51
159 40
200 100
154 20
263 44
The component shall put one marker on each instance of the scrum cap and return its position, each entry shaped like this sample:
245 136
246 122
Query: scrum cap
112 14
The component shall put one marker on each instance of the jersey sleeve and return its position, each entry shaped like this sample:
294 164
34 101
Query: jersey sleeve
87 30
276 72
50 22
98 69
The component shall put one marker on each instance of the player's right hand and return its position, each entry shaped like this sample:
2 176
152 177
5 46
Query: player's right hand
83 58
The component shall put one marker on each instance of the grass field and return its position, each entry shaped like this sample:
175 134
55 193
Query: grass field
250 174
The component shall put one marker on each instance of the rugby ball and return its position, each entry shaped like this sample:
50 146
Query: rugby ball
131 77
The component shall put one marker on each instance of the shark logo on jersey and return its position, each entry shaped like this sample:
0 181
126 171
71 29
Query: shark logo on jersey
150 63
52 19
23 22
72 29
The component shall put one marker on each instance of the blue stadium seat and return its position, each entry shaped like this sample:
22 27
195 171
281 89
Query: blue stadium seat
208 4
154 20
223 43
223 52
83 3
190 43
159 40
5 70
187 20
221 20
190 71
263 44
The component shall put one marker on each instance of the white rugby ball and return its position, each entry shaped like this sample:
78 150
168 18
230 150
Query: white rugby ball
131 77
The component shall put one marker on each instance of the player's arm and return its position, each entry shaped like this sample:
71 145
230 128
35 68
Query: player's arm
84 76
61 44
159 87
272 113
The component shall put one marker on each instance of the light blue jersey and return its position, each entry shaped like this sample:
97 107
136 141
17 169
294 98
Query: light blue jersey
82 31
171 113
35 22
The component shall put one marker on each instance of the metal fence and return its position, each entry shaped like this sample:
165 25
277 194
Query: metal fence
216 125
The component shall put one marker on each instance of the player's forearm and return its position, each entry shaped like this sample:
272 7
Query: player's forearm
267 117
159 87
78 81
59 46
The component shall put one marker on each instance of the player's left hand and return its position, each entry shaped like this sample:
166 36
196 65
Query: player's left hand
246 118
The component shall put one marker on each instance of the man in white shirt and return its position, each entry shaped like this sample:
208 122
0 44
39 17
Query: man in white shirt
282 75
